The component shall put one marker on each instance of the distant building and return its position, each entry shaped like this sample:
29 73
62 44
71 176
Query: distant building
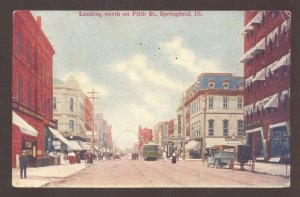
220 121
146 135
266 59
160 133
32 64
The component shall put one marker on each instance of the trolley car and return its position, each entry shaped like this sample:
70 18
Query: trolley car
151 151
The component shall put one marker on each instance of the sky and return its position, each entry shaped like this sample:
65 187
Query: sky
141 64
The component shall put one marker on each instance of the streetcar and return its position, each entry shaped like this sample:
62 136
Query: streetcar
151 151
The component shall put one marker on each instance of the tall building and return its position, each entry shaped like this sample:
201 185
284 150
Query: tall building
32 64
69 107
146 135
266 59
213 109
160 133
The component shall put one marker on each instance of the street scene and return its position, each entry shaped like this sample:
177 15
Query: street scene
151 99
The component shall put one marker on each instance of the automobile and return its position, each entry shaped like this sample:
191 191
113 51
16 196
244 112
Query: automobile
219 157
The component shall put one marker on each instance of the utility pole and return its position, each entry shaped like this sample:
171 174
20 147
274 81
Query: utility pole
93 97
204 130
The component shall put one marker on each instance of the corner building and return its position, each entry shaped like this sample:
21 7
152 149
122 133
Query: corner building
266 59
32 63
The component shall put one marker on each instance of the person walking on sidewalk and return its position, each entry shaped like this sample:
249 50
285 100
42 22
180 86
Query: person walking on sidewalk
23 164
174 158
164 156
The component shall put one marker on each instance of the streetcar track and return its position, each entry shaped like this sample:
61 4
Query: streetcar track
205 173
170 178
148 180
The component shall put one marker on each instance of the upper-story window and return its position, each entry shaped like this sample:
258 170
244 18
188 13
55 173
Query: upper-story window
211 84
19 43
276 41
54 103
240 127
19 98
210 102
71 104
225 85
225 103
272 14
210 127
240 103
286 35
71 125
225 127
28 53
270 44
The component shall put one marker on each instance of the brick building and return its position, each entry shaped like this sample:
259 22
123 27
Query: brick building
267 48
146 134
32 95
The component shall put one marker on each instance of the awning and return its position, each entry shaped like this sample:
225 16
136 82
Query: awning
74 145
258 105
257 19
285 25
192 145
248 80
23 125
259 46
270 68
59 136
284 61
281 124
246 56
272 35
283 93
260 75
254 130
248 109
273 101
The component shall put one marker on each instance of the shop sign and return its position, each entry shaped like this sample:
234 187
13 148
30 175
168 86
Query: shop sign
234 139
29 145
252 124
27 111
179 124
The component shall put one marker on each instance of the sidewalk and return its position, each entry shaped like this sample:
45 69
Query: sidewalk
37 177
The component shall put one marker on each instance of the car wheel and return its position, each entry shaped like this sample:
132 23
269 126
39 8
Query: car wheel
216 163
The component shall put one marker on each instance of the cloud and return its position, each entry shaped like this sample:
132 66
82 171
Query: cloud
138 70
86 84
186 58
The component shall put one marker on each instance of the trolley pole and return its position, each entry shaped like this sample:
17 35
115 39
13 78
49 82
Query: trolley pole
93 97
204 130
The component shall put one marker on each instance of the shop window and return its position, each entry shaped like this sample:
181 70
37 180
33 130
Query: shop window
211 127
225 127
19 43
280 141
240 127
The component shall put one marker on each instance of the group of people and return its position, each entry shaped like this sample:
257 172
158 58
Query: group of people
174 157
135 156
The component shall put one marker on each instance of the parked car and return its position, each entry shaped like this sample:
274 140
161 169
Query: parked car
219 157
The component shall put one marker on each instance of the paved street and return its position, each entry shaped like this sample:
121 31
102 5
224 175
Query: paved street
140 173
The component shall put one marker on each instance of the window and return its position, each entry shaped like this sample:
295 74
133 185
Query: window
71 104
225 127
240 127
19 89
276 74
258 112
285 101
71 125
210 102
28 53
211 85
270 45
225 103
28 95
286 36
19 43
211 127
276 41
284 71
54 103
225 86
272 14
240 103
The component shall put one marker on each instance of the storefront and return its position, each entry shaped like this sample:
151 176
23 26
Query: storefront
279 138
255 138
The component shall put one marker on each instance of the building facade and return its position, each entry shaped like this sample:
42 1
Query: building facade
146 135
214 111
160 134
266 59
69 107
32 64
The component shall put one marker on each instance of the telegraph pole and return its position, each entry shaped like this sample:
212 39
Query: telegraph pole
204 130
93 97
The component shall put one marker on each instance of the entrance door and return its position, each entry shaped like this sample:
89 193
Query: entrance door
255 141
280 142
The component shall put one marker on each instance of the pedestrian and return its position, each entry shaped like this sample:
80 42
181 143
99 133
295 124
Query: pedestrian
164 156
23 164
174 158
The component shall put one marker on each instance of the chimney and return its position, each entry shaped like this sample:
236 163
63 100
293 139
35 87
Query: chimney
39 21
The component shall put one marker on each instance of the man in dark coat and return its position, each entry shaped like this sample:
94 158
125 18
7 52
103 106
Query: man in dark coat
23 164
